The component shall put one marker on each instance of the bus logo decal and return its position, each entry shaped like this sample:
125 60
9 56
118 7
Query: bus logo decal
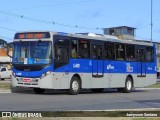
149 68
76 65
19 73
129 68
90 63
110 67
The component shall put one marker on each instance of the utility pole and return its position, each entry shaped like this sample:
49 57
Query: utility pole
151 18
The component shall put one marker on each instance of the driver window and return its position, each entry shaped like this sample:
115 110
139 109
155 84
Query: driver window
62 53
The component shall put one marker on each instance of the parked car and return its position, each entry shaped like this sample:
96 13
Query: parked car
5 73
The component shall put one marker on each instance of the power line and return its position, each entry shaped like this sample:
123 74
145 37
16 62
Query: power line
52 22
145 26
3 37
8 29
59 4
48 22
140 37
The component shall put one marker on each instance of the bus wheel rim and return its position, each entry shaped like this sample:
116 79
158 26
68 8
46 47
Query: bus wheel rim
129 85
75 86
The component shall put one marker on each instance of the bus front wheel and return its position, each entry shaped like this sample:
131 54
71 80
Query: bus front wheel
128 85
74 86
38 90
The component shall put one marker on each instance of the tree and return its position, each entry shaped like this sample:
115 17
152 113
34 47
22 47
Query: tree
3 43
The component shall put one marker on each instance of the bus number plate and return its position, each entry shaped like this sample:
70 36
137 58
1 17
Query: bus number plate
26 80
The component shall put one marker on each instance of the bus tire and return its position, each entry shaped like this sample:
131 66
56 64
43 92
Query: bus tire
74 86
38 90
119 89
98 90
128 85
2 78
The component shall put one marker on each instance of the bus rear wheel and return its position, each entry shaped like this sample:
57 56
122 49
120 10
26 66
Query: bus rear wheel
128 85
38 90
74 86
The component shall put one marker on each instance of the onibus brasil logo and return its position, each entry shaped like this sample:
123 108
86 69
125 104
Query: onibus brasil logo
21 114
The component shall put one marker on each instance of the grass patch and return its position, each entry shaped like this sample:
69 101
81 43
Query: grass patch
97 114
4 86
157 85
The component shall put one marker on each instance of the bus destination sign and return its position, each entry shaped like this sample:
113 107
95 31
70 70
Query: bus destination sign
34 35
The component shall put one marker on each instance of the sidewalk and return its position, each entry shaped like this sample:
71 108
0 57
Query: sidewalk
147 88
5 91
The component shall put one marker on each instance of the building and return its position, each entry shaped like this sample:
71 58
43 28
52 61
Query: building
122 32
4 58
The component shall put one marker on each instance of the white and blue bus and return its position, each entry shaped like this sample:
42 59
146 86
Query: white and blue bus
56 60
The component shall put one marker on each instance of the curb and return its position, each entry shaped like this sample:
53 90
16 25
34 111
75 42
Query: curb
5 91
147 88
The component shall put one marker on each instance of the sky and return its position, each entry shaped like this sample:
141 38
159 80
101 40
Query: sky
78 16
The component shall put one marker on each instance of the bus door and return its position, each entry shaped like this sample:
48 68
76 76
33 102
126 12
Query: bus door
61 49
97 60
141 64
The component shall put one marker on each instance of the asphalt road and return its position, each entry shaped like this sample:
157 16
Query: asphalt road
86 100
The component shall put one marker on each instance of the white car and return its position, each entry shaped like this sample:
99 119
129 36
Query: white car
5 73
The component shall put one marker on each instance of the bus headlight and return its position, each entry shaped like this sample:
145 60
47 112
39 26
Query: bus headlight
48 72
45 74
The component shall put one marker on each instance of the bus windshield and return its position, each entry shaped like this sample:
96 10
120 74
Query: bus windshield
32 52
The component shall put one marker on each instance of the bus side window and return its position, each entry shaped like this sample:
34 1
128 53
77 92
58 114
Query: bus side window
130 52
74 49
99 52
149 54
140 55
109 51
94 52
120 52
84 49
62 54
58 54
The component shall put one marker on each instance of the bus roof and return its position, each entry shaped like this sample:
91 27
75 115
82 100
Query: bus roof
105 38
95 37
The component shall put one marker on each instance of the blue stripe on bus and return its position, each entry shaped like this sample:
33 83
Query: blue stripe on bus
89 66
86 66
